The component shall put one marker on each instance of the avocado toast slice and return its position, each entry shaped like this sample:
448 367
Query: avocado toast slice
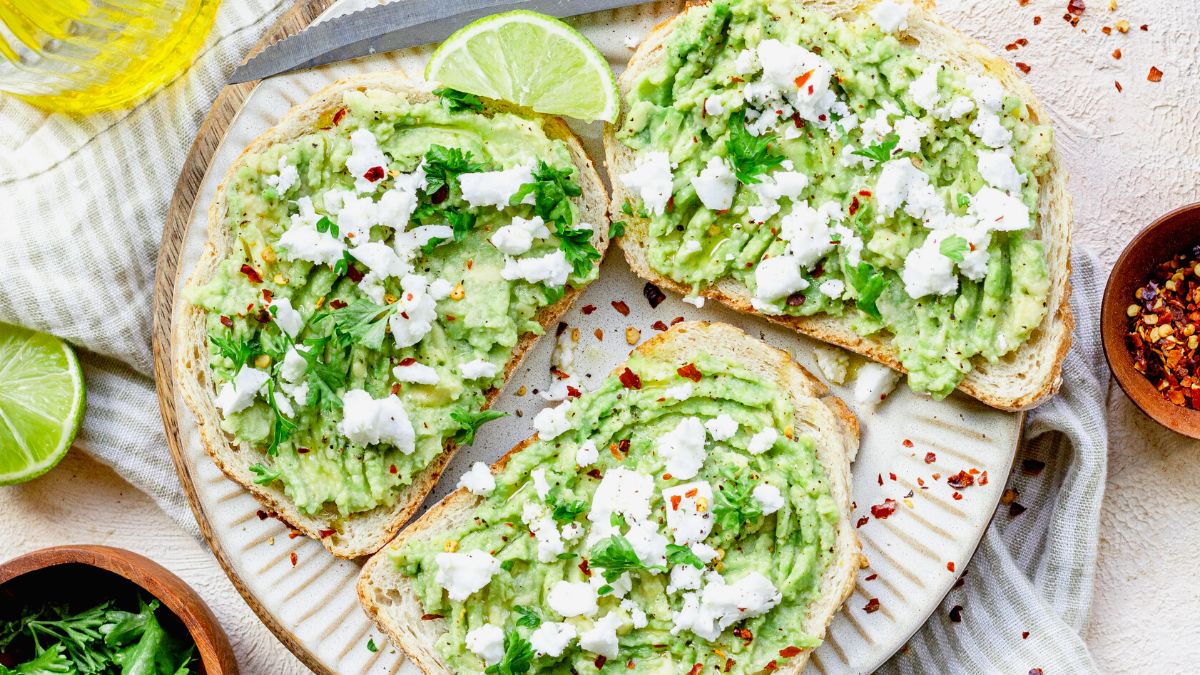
371 279
694 507
887 102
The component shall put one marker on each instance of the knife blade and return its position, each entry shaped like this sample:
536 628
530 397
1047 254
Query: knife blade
395 25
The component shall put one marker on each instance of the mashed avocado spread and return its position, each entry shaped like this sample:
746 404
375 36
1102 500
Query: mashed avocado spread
831 169
667 520
383 269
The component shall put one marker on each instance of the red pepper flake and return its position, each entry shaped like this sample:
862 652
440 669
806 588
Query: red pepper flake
262 515
392 469
226 321
961 480
1155 75
743 634
268 296
337 116
396 388
293 534
356 275
882 511
1075 7
950 566
892 476
1024 635
690 371
629 665
583 567
654 295
337 304
983 479
407 361
667 476
1037 20
1032 467
872 606
251 274
907 443
588 309
930 458
675 500
854 205
678 319
691 493
594 473
612 450
789 652
1023 67
1035 671
728 665
695 670
871 577
324 534
659 325
879 478
600 661
292 557
1015 509
862 521
770 667
864 193
1145 26
374 173
621 307
802 79
957 496
630 379
1116 54
956 613
572 392
430 617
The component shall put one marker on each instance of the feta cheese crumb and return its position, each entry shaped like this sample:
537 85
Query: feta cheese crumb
550 423
540 484
683 448
722 427
551 638
301 241
542 525
998 170
684 578
679 392
924 90
415 311
873 383
572 598
602 638
762 441
478 480
517 237
587 454
890 16
364 156
928 272
551 269
285 179
636 614
236 396
769 498
689 512
294 365
620 491
696 301
652 180
713 106
778 277
487 642
998 211
832 288
461 574
495 188
367 421
648 543
720 605
833 363
416 373
479 368
715 185
910 131
286 317
988 128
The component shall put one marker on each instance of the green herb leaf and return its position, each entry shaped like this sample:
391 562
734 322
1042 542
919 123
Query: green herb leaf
281 426
52 661
881 151
264 475
526 617
565 512
553 293
461 222
518 656
324 379
566 556
735 504
963 201
341 267
444 165
238 350
469 422
954 247
327 225
682 555
371 645
604 590
507 565
616 229
750 155
868 283
363 321
458 101
552 190
615 555
433 243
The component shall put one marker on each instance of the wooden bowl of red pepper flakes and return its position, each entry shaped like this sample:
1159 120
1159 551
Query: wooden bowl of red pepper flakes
1150 320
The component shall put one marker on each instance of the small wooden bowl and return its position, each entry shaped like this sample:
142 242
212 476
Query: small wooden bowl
1174 233
61 568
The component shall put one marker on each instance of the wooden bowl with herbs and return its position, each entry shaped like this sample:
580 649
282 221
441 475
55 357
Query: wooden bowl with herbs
99 609
1150 320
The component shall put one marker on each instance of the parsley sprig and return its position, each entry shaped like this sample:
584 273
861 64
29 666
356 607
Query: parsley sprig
518 656
444 165
751 156
458 101
238 350
682 555
526 617
954 247
552 191
735 504
881 151
868 283
615 555
469 422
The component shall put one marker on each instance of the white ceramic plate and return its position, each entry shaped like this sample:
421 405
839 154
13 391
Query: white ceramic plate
314 599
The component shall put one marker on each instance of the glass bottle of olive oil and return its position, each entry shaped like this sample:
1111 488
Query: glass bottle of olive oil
84 55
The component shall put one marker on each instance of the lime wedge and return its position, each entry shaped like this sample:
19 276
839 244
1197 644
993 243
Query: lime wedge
41 402
529 59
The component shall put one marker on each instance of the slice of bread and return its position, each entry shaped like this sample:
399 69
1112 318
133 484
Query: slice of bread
389 598
1020 380
362 533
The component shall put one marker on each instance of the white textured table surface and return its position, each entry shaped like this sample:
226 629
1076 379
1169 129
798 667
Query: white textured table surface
1132 156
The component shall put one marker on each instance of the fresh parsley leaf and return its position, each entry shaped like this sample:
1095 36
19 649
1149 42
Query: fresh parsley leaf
954 247
735 504
363 321
433 243
444 165
615 555
553 293
552 190
617 520
526 617
281 426
577 247
750 155
507 565
627 208
238 350
616 229
341 267
457 101
565 512
566 556
881 151
682 555
264 475
518 655
963 201
604 590
327 225
461 222
371 645
469 422
868 283
324 379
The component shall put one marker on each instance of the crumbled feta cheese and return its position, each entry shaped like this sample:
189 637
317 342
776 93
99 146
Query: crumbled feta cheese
696 301
495 188
771 188
679 392
367 421
461 574
602 638
572 531
284 405
620 586
587 454
720 605
987 92
478 480
762 441
704 552
301 241
956 108
652 180
910 131
684 578
802 75
832 288
551 638
778 277
572 598
683 448
890 16
551 269
550 544
806 230
487 642
872 384
620 491
715 185
382 262
285 179
998 211
769 498
440 289
924 90
926 271
517 238
479 368
988 128
648 543
722 427
236 396
746 62
998 170
286 316
833 363
550 423
850 242
415 311
294 365
689 511
636 614
897 181
713 106
416 373
540 484
364 156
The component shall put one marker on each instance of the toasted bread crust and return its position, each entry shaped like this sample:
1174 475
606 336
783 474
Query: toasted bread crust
362 533
390 600
1021 380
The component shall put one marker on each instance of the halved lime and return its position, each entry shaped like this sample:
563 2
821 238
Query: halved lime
529 59
41 402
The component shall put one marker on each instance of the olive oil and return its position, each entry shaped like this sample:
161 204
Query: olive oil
79 56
